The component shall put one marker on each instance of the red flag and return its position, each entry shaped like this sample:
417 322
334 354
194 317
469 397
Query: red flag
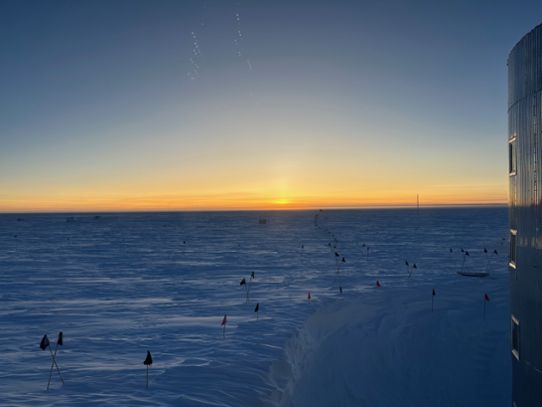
224 320
378 284
486 298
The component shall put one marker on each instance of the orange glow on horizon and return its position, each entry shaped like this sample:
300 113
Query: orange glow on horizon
245 201
281 201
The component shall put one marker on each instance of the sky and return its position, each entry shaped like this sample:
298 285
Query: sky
220 105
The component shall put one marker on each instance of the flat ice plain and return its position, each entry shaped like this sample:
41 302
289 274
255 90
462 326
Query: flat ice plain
118 285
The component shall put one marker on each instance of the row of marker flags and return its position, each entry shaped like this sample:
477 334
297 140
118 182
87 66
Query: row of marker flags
244 283
410 268
45 343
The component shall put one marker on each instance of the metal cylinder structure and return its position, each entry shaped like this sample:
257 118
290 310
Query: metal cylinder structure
525 217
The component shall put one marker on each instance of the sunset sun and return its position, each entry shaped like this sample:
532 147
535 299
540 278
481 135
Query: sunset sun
281 201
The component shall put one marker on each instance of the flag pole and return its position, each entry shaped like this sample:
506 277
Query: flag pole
244 282
54 363
463 264
52 367
147 362
486 300
223 323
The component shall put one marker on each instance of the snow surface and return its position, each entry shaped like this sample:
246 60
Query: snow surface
118 285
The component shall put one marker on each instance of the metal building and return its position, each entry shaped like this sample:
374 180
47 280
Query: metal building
525 173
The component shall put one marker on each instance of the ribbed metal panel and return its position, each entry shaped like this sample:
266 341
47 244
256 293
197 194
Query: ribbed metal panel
525 137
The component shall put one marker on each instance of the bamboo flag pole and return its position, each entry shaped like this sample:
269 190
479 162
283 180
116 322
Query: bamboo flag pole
223 323
59 342
147 362
244 282
45 344
486 300
465 254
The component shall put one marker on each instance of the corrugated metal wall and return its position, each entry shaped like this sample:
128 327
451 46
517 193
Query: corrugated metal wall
525 139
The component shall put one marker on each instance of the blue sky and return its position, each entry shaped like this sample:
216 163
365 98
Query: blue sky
243 104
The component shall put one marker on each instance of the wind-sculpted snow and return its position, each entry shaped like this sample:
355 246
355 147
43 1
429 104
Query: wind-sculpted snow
118 285
388 349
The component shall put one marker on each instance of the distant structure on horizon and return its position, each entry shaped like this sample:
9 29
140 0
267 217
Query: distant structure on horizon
525 203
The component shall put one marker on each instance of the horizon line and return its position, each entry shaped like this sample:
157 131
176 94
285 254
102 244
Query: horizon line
282 209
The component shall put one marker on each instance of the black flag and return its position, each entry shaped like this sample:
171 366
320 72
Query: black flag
434 292
60 340
414 266
485 250
495 251
44 342
257 307
406 263
243 281
343 260
148 359
252 275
